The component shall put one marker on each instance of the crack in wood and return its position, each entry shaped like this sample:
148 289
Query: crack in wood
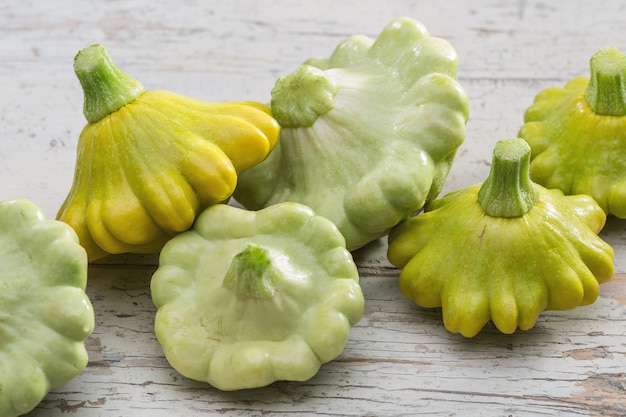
66 407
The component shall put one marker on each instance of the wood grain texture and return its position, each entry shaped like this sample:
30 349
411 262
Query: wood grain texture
400 360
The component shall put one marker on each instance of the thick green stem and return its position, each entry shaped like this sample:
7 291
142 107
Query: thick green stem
299 98
606 91
252 274
106 88
508 191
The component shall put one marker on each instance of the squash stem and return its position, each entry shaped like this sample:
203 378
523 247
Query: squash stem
508 191
252 274
606 91
299 98
106 89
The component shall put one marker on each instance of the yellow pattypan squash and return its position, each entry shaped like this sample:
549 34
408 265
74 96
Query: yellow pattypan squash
149 161
577 134
503 250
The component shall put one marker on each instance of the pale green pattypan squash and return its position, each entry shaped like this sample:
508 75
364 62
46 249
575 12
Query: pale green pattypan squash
248 298
503 250
45 315
367 136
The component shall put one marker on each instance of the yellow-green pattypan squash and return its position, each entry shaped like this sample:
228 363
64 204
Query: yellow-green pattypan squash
45 315
149 161
368 136
503 250
577 134
247 298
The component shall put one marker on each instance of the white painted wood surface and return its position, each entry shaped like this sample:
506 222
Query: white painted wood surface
400 360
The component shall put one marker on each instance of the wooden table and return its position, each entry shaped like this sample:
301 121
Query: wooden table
400 360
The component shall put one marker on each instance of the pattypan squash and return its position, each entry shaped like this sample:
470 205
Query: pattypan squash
503 250
577 134
247 298
45 315
368 135
149 161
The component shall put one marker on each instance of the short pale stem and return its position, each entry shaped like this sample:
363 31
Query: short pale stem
606 91
508 191
252 274
299 98
106 89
